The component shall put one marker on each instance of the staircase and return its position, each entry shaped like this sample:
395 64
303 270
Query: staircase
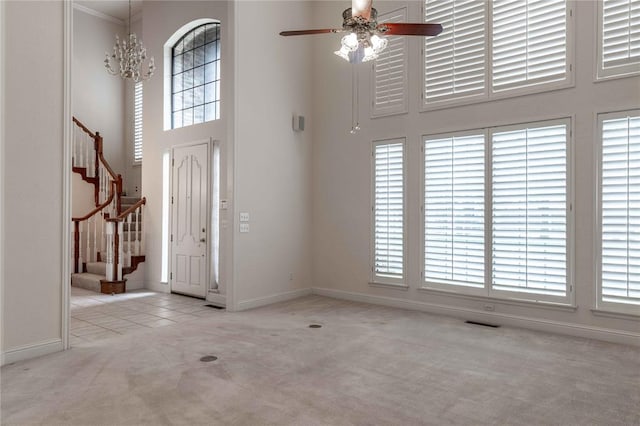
108 241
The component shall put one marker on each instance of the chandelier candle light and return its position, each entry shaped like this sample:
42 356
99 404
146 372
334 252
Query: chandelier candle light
130 54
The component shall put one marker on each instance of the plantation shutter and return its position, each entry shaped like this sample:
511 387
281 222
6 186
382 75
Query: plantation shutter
390 72
454 210
529 42
529 203
620 33
454 61
137 123
388 210
620 260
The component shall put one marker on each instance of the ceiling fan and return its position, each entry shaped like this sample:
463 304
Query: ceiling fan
363 42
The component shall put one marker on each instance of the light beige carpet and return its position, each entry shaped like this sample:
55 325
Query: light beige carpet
367 365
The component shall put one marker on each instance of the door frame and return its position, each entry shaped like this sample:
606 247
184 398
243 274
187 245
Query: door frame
211 143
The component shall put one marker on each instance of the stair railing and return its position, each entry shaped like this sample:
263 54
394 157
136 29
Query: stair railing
89 161
121 252
89 236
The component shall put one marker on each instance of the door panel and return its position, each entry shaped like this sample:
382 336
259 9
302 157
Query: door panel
189 263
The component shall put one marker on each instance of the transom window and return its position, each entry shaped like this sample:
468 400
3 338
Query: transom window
195 77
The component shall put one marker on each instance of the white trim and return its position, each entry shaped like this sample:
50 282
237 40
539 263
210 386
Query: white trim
2 179
31 351
274 298
66 173
388 285
515 302
549 326
216 299
97 14
612 314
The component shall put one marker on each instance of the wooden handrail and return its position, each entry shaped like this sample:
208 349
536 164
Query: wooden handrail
83 127
97 209
122 216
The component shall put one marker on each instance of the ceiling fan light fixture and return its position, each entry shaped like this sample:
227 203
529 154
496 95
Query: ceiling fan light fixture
350 41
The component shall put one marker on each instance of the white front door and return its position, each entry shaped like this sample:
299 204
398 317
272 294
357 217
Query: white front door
190 220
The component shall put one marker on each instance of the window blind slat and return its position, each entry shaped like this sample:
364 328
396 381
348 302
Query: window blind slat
390 72
529 43
529 202
137 123
454 210
455 59
388 210
620 28
620 209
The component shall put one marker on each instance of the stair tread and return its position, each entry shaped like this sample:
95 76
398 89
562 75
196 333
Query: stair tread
89 276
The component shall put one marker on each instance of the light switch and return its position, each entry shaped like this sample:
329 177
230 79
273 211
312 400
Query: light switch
223 204
244 227
244 217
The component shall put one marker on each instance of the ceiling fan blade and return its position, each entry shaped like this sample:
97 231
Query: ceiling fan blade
306 32
410 29
361 8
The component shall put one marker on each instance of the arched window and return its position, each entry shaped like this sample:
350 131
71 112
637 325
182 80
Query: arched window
195 76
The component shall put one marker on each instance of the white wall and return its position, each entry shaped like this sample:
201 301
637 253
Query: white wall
341 174
33 178
161 19
273 163
98 98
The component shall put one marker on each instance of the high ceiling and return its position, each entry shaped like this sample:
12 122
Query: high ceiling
115 8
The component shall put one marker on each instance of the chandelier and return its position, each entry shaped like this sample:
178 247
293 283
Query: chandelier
128 56
361 44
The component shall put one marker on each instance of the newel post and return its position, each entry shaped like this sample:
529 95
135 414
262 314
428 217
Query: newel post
119 194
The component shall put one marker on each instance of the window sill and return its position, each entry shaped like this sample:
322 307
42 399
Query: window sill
613 314
388 285
516 302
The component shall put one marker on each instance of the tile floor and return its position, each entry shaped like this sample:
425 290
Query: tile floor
96 316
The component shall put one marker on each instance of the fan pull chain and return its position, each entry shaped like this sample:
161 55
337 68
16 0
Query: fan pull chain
355 105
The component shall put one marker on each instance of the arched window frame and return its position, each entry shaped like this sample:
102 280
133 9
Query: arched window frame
169 46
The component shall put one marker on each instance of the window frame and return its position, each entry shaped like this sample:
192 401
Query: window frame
435 284
168 69
489 93
600 72
599 303
374 278
487 292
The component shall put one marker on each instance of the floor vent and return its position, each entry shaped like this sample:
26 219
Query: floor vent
208 358
315 326
484 324
215 307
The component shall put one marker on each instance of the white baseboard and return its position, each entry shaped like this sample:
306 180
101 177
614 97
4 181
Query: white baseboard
275 298
31 351
217 299
558 327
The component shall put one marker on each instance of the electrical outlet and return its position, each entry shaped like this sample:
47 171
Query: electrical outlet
244 227
489 307
244 217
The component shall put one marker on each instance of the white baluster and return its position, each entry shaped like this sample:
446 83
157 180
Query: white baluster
121 248
140 229
96 219
80 239
128 262
110 228
136 238
87 225
103 229
87 157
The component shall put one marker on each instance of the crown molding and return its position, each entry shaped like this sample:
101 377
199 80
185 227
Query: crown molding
97 14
